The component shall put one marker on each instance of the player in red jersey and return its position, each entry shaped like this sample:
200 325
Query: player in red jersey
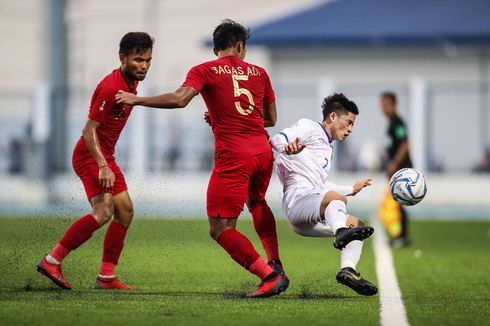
94 162
241 103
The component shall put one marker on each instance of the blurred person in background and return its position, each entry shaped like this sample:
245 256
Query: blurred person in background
174 152
484 165
397 156
15 156
94 162
241 103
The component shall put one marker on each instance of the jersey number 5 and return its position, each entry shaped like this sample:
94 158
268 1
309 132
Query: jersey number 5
242 91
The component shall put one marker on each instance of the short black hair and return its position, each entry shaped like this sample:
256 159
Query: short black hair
339 104
135 42
391 95
229 33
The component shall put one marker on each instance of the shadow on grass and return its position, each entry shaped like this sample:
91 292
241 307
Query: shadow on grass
13 293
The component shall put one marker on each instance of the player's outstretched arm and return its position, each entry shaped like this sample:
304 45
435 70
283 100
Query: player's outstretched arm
359 185
178 99
89 134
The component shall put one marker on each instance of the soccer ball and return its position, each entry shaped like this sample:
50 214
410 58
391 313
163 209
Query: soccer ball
408 187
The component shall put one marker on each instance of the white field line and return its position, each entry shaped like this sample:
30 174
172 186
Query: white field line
392 308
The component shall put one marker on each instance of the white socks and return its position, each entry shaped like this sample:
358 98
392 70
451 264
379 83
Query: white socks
51 260
336 215
336 218
350 255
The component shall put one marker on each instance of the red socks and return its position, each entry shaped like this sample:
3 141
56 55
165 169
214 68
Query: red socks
260 268
243 252
265 226
79 232
107 270
113 245
59 252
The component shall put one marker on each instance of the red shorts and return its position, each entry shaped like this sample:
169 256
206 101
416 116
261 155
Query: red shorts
88 171
232 182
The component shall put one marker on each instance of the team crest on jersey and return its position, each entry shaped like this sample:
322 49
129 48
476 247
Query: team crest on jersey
102 106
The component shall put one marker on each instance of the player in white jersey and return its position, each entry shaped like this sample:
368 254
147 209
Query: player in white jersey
314 206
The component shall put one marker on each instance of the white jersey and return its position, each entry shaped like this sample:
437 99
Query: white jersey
308 169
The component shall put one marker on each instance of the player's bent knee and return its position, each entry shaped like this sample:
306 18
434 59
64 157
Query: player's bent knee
336 196
215 232
107 214
217 227
342 198
128 214
125 217
103 212
102 217
331 196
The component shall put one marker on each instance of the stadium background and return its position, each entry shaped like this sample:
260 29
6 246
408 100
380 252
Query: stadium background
435 54
442 83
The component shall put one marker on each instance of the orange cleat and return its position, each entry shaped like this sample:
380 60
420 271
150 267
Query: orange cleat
53 272
111 284
270 288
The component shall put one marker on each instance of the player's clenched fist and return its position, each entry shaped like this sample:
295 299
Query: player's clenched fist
106 177
125 98
294 147
359 185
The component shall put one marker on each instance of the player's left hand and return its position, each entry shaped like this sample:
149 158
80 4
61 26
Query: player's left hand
359 185
125 98
294 147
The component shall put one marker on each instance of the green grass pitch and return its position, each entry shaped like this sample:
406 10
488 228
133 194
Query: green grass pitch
182 277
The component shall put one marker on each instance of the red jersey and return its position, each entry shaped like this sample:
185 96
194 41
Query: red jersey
234 92
111 116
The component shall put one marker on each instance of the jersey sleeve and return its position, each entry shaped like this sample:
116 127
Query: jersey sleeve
269 96
303 129
196 78
102 101
401 132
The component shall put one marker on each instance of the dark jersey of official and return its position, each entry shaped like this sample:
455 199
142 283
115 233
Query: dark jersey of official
397 133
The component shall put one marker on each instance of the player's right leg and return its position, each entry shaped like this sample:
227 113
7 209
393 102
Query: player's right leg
333 212
78 233
349 257
114 243
226 196
239 247
263 218
304 219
